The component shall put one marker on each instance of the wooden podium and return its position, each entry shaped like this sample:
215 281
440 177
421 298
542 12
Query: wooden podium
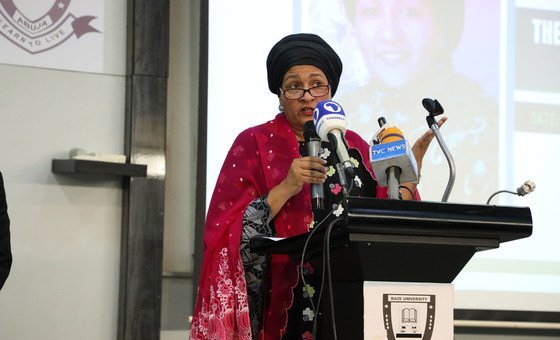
397 241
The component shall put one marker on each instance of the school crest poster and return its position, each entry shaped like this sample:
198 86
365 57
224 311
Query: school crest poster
59 34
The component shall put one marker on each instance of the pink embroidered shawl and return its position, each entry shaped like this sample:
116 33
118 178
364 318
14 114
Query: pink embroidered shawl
258 160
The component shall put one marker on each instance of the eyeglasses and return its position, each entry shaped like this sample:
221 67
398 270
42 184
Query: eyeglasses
315 91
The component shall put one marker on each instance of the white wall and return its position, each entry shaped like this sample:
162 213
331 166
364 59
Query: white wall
65 230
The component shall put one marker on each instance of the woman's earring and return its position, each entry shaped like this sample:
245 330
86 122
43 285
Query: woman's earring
280 107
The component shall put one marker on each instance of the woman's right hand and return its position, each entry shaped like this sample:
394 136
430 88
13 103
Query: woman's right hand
303 170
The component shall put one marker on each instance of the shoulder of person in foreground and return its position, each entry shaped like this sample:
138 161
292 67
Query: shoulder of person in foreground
5 248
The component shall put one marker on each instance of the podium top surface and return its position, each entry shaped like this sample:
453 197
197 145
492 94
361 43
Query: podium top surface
423 218
370 219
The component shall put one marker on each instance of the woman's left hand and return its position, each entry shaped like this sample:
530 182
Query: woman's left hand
421 145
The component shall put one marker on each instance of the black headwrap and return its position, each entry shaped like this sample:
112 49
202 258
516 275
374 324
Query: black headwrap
302 49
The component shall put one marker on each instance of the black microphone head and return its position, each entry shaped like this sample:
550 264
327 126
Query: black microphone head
432 106
309 131
428 104
438 109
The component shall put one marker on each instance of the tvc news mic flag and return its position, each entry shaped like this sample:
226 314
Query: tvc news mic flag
398 154
389 150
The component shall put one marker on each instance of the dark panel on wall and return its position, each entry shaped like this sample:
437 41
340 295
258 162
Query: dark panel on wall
148 116
149 41
200 213
143 198
140 294
142 236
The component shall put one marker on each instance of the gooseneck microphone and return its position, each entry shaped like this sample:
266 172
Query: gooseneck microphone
391 158
313 144
526 188
435 109
330 122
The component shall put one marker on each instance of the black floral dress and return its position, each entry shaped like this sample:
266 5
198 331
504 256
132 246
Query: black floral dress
257 221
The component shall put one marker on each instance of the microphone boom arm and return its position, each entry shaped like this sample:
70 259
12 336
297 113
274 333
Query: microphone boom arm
499 192
526 188
452 171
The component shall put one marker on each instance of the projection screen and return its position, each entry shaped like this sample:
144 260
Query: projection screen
491 64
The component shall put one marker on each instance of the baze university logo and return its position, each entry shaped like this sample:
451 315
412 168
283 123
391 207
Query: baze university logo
42 34
409 316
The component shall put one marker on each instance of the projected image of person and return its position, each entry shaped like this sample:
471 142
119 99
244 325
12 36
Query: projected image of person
264 189
407 47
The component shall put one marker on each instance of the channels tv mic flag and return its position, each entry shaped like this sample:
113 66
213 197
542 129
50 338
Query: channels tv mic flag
330 122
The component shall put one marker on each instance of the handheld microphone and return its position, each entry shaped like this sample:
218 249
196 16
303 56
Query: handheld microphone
392 158
526 188
313 143
330 122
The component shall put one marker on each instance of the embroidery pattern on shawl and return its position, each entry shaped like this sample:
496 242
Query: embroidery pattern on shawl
227 318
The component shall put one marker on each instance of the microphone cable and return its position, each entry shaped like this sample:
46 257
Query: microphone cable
327 257
325 266
326 270
301 273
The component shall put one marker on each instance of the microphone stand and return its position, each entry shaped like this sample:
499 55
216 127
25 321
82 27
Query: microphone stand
435 108
452 171
342 177
393 175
